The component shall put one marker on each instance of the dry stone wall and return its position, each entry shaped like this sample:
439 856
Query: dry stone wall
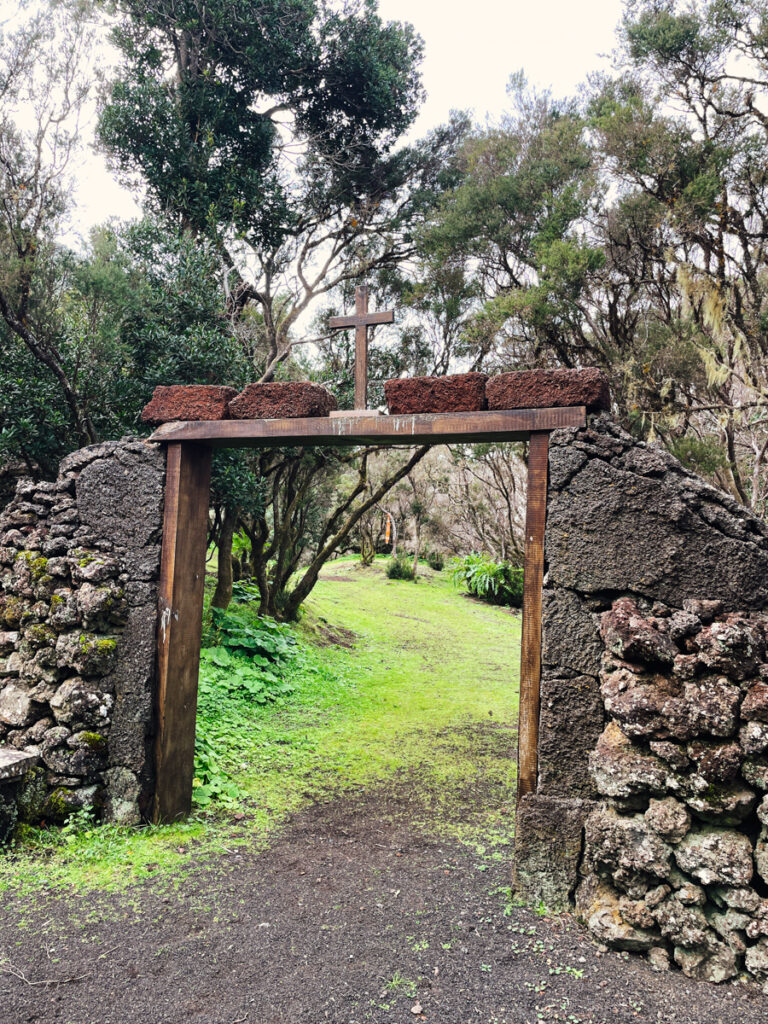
79 565
651 814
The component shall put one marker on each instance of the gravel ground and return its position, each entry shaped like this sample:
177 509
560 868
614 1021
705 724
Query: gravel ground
350 917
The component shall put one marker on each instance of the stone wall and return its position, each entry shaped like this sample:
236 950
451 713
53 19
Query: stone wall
652 762
79 564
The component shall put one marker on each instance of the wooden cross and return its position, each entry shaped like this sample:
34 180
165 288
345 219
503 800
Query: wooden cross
361 321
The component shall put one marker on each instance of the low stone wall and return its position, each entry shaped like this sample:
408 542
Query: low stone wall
79 564
676 857
652 758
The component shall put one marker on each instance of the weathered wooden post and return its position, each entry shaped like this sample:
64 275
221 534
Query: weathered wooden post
530 659
180 609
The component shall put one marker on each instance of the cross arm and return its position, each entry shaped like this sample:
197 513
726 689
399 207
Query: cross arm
362 320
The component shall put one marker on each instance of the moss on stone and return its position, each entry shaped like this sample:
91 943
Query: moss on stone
13 611
41 635
32 795
97 643
56 600
94 741
56 805
39 568
36 563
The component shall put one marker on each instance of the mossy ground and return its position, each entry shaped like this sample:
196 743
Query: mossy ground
400 684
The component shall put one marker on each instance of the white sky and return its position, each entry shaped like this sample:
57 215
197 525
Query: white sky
471 48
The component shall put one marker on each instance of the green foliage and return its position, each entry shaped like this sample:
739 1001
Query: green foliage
141 307
246 664
400 568
495 582
436 560
702 455
263 641
242 676
206 141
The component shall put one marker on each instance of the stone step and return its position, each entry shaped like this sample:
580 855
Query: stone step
15 763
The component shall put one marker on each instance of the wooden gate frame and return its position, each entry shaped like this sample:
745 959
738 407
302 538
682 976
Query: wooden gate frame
185 530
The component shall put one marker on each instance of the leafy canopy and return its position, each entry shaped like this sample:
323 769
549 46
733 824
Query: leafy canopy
257 89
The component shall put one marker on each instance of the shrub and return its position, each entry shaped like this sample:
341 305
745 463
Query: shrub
436 561
495 582
400 568
261 640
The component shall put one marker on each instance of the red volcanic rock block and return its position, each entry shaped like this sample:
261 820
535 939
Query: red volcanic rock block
548 389
462 392
188 402
295 399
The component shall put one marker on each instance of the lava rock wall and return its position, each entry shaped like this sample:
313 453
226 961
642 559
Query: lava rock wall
651 813
79 565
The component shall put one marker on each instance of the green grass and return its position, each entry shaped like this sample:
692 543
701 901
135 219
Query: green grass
421 698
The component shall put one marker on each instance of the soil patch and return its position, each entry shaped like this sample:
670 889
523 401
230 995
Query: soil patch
335 636
353 916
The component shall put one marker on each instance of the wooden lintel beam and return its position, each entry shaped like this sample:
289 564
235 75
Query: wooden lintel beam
421 428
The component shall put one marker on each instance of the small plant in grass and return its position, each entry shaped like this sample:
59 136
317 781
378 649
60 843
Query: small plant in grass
244 665
436 561
400 568
495 582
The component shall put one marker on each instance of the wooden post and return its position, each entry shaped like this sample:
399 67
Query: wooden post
180 609
361 348
530 660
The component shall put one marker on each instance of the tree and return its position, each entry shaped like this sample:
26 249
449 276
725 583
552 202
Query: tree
274 137
295 535
274 140
519 215
629 231
43 69
684 131
485 510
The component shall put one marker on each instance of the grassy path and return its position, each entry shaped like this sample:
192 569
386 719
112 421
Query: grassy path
401 684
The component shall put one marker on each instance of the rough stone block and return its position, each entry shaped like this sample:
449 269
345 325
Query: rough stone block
292 400
610 530
716 856
571 721
548 841
15 763
624 772
570 637
549 389
188 402
460 392
16 707
121 497
599 907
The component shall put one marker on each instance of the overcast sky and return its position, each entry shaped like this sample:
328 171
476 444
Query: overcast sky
471 50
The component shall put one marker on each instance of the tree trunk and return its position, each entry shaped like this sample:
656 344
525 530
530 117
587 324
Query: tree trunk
293 600
223 593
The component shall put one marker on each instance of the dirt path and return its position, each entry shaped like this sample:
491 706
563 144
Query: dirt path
348 918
